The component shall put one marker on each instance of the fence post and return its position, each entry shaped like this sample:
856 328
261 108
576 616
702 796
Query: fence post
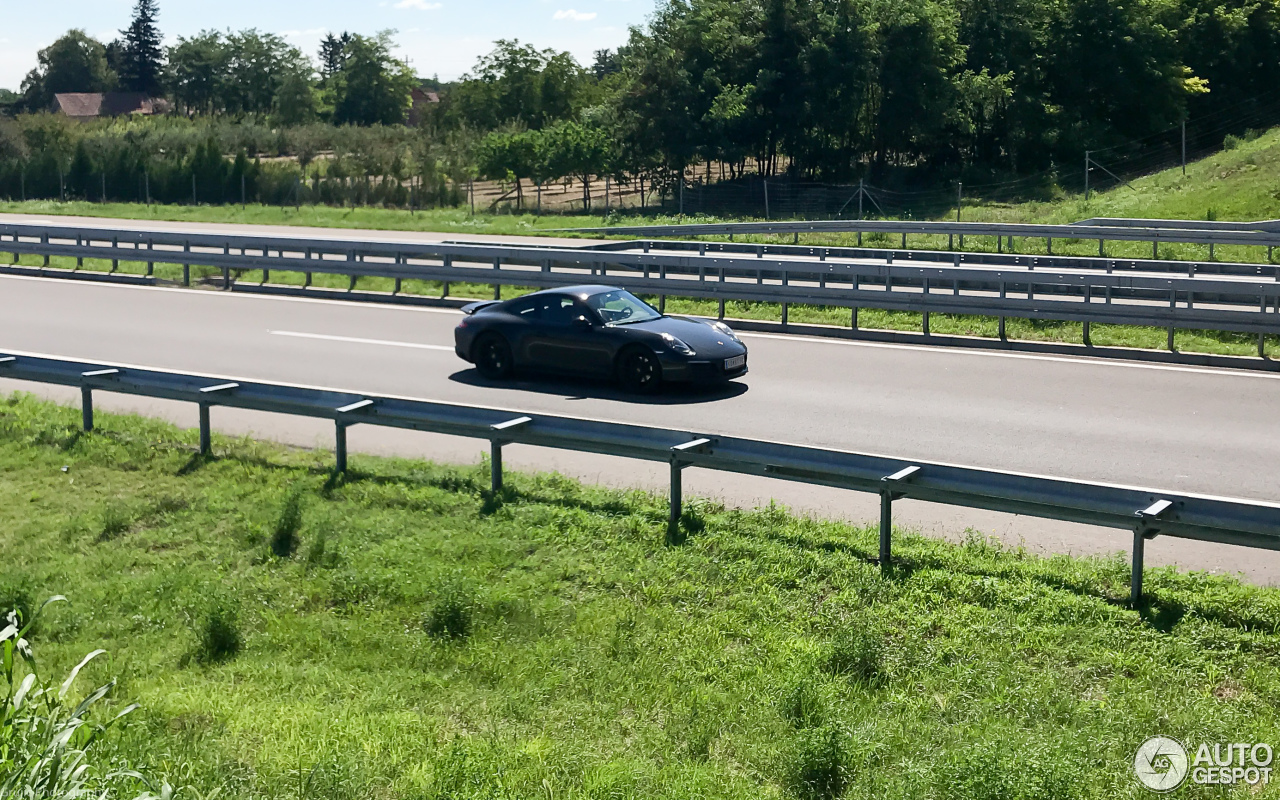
766 198
1135 576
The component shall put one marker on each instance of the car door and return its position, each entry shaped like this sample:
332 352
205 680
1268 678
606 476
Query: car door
562 343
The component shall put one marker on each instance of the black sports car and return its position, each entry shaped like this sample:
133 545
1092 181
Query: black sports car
597 330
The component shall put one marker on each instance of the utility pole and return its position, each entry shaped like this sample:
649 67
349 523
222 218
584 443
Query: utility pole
860 191
104 186
1086 175
1184 145
242 193
682 191
471 193
959 198
766 199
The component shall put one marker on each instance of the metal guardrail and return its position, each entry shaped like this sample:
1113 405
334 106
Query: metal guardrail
1102 233
1267 225
1236 303
969 258
1147 512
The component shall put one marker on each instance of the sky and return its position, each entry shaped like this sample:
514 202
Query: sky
438 37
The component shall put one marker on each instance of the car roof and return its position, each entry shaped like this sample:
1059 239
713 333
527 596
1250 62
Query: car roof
581 292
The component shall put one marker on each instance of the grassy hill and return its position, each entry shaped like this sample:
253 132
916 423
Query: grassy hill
402 634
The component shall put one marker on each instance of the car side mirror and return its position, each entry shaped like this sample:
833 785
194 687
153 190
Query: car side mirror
583 323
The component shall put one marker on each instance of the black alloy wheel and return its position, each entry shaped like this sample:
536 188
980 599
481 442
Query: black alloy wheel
639 371
493 357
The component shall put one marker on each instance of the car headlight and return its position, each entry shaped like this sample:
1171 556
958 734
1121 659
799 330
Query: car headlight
726 330
677 345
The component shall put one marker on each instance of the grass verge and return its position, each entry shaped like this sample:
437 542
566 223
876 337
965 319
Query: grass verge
420 638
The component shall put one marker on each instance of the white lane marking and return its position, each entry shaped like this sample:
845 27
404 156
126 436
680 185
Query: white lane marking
217 377
1093 362
238 295
357 340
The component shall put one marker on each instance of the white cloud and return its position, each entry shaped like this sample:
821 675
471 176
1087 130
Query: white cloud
421 5
576 16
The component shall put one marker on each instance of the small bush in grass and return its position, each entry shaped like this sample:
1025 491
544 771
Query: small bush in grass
218 636
451 616
820 765
284 539
115 521
857 652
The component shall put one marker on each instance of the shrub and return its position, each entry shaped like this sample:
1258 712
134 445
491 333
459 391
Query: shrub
451 616
15 597
284 539
116 520
820 766
218 637
858 652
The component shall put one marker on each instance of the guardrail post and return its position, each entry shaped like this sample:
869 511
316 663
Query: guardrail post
115 245
86 409
1048 245
206 435
79 259
674 508
1146 529
887 496
44 240
925 315
340 446
495 450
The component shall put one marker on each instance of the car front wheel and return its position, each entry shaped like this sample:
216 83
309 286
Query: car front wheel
493 357
639 371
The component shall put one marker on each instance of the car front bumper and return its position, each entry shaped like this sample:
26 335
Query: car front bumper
699 371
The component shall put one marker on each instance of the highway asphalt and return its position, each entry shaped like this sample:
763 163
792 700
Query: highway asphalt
1184 428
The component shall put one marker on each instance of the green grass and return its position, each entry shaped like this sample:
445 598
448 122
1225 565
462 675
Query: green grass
427 640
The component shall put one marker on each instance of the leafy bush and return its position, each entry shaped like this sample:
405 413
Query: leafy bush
451 616
218 637
45 738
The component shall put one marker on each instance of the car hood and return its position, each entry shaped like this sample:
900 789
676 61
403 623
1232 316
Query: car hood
699 335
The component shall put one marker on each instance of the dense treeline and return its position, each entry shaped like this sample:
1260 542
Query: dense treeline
818 90
177 160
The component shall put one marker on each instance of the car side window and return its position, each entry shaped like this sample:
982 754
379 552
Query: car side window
560 311
529 310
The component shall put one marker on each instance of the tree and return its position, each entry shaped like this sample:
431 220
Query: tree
510 155
517 83
577 150
257 64
74 63
373 87
197 69
296 102
142 56
333 54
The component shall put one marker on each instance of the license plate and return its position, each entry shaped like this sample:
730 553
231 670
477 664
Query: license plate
735 362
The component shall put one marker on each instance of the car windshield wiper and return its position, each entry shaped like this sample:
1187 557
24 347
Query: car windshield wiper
633 321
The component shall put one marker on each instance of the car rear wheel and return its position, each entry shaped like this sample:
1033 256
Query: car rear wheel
639 371
493 357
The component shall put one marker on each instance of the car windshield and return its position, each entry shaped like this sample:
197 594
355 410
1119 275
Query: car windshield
621 307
